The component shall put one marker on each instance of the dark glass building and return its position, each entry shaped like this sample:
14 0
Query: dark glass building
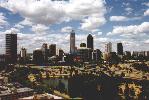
85 54
90 42
52 50
119 49
60 54
11 48
38 57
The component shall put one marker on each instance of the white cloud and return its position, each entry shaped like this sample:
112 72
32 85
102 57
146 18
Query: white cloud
66 29
146 41
123 18
102 39
129 10
3 20
131 29
127 35
92 23
39 28
43 11
89 12
146 4
118 18
125 4
11 30
109 9
95 30
99 33
26 22
19 26
146 13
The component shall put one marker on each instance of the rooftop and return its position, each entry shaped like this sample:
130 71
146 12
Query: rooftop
19 90
42 96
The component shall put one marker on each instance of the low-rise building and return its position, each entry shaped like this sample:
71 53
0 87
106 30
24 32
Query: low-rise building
45 96
15 93
85 54
3 80
2 59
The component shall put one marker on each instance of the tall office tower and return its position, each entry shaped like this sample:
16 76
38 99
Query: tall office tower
119 49
38 57
11 48
108 47
60 54
90 42
44 49
23 53
52 50
72 42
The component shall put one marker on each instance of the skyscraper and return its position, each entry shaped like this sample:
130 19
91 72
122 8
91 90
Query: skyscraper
23 53
52 50
119 49
11 48
44 49
60 54
90 42
108 47
72 42
38 57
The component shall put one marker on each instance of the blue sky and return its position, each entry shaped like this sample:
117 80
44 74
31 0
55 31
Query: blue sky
44 21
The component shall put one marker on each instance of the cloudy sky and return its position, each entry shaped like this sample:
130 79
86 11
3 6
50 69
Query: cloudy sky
50 21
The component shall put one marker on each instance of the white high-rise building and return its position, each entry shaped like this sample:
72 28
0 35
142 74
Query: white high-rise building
23 52
72 42
108 47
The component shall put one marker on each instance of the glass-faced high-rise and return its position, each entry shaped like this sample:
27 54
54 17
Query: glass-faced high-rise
72 42
52 50
11 48
90 42
119 49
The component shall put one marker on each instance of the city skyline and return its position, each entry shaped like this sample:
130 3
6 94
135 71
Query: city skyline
74 49
102 19
54 50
